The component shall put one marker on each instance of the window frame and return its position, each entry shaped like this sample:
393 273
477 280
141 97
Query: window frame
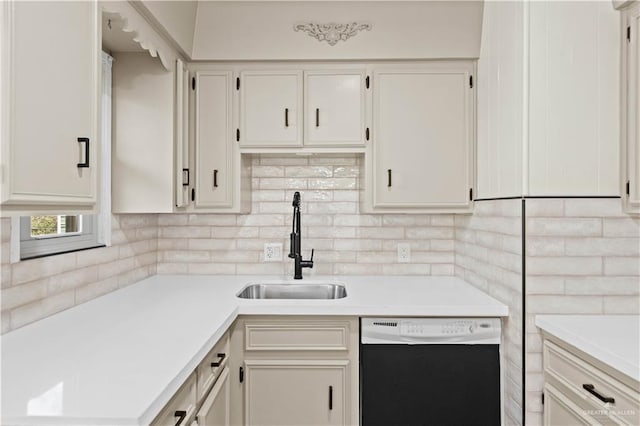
31 247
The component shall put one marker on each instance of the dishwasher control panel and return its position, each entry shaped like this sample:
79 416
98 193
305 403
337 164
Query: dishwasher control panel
431 330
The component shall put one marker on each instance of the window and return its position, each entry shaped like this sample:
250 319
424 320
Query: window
43 235
58 233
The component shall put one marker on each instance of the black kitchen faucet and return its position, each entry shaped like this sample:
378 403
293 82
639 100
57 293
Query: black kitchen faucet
295 251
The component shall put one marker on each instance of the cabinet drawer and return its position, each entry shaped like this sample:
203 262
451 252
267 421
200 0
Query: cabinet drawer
297 336
182 407
212 365
576 374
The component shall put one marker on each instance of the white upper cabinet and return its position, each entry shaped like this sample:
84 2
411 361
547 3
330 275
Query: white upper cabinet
214 149
50 82
631 115
422 138
270 108
334 108
222 175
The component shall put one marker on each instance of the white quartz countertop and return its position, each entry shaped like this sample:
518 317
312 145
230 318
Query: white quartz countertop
611 339
118 359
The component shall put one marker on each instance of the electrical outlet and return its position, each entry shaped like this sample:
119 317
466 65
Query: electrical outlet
273 252
404 253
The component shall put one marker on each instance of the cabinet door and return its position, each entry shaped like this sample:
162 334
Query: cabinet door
215 409
50 82
214 150
270 108
631 149
334 107
296 393
182 172
423 137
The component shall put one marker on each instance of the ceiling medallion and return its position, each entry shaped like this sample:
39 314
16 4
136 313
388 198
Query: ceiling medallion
332 33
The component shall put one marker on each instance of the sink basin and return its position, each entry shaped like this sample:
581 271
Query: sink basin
293 291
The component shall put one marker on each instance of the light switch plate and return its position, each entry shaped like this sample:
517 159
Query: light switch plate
273 252
404 253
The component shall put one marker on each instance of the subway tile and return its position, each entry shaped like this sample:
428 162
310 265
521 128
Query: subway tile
333 161
564 265
333 183
430 232
268 195
332 208
309 171
346 171
72 279
593 207
622 266
212 244
622 227
33 269
23 294
547 207
564 227
556 304
545 246
621 305
602 246
212 220
391 233
261 220
604 285
357 220
261 171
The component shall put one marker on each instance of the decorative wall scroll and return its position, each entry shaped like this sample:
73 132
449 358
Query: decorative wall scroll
332 32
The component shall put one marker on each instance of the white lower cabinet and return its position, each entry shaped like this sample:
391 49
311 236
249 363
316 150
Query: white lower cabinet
215 410
204 399
581 390
295 392
296 371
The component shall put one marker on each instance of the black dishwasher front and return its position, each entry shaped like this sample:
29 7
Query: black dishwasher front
431 371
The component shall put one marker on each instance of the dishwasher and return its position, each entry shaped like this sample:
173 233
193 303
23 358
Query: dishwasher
430 371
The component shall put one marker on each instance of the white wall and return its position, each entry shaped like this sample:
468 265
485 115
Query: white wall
264 30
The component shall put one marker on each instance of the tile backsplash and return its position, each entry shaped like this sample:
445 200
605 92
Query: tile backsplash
346 242
37 288
488 255
582 257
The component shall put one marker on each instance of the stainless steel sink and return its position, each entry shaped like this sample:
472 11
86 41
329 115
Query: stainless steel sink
293 291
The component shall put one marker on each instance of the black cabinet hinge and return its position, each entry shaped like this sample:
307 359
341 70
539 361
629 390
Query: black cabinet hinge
366 82
241 374
470 194
237 83
629 34
471 81
628 188
193 194
237 135
193 83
